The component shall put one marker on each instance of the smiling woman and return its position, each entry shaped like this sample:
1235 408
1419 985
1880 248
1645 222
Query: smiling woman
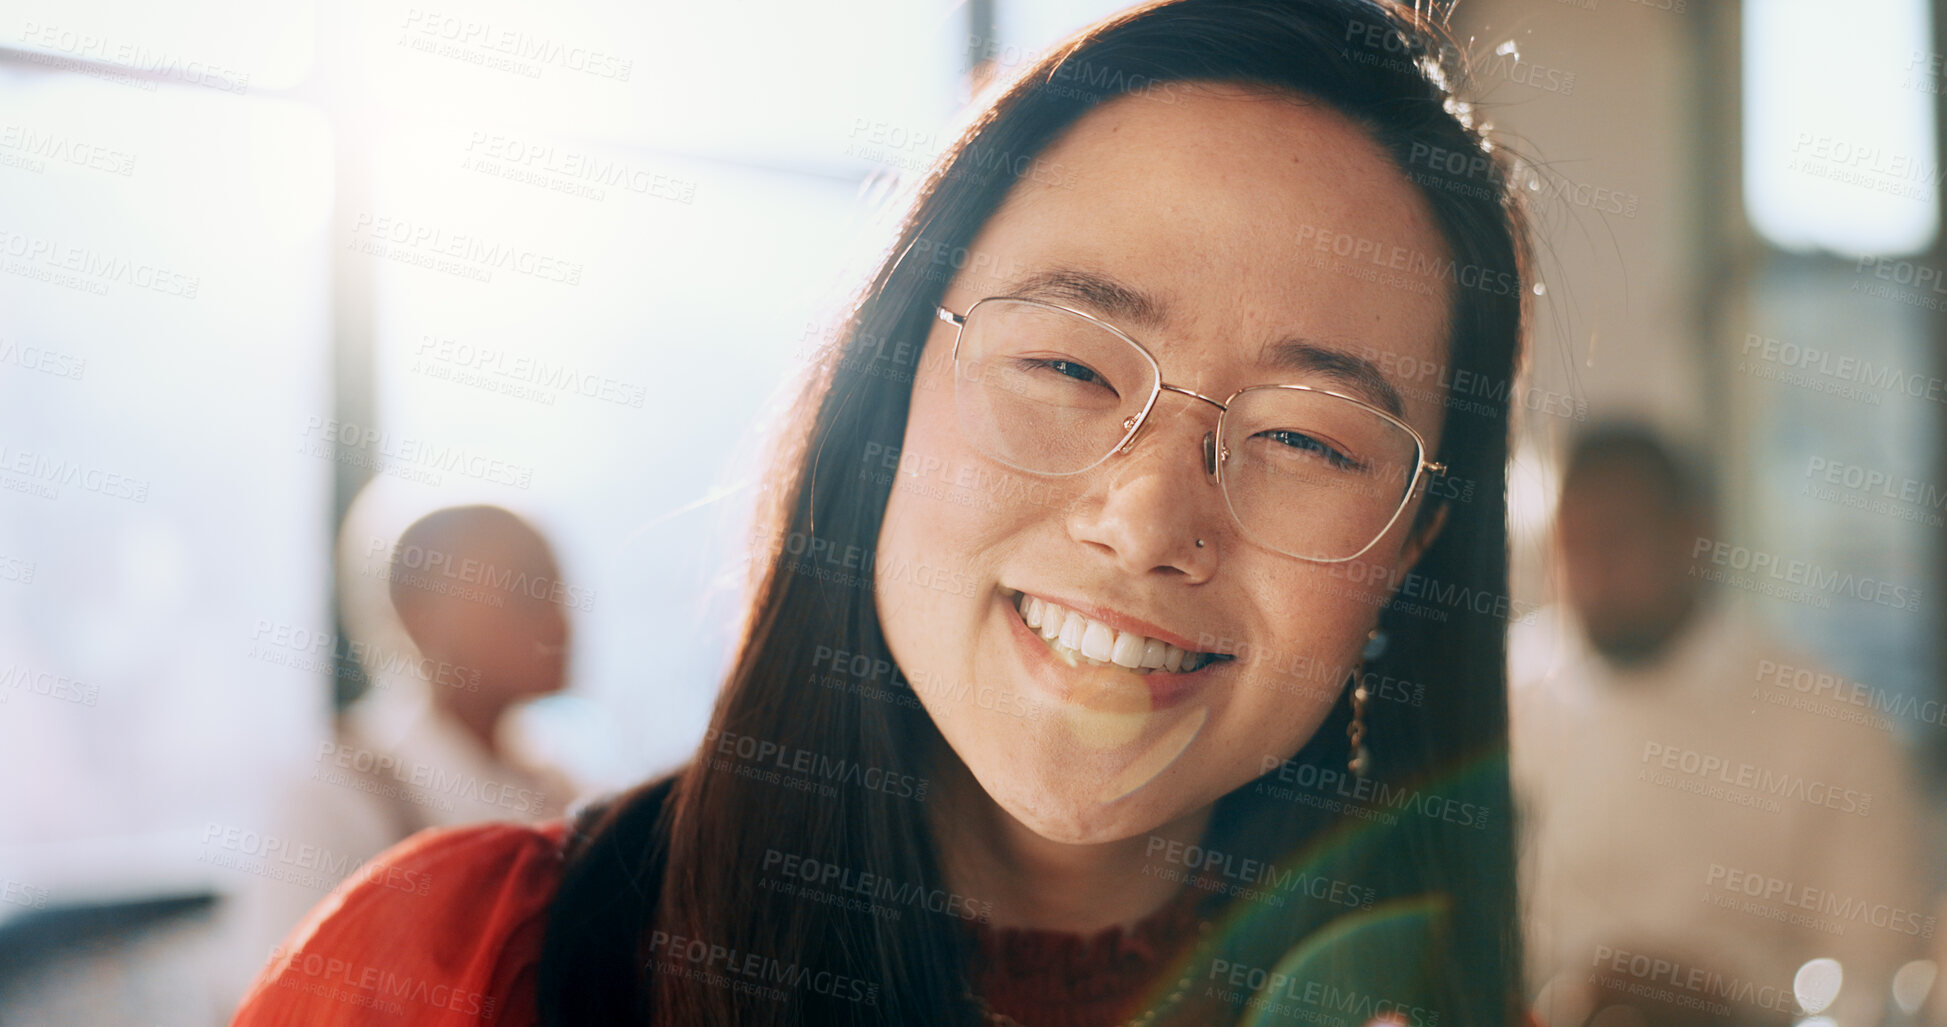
1210 726
1316 475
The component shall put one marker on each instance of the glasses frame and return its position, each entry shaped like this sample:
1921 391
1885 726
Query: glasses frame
1215 456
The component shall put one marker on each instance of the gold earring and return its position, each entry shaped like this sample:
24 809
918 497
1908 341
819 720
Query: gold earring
1361 760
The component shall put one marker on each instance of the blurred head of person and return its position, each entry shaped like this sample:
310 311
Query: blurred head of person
478 587
1216 196
1630 514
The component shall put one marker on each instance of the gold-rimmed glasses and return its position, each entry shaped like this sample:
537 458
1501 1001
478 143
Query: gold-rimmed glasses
1306 471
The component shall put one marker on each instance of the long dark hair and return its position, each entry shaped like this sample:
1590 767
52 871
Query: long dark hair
660 889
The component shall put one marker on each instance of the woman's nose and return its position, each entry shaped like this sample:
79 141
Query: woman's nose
1156 497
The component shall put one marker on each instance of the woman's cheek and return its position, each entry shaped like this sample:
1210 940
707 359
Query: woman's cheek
1365 582
928 571
1296 678
907 611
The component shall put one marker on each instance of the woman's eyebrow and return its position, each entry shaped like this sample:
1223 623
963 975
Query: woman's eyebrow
1111 299
1302 356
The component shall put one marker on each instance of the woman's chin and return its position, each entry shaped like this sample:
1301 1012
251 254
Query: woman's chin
1069 809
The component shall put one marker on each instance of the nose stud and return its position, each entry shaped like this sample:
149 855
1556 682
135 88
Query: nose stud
1199 543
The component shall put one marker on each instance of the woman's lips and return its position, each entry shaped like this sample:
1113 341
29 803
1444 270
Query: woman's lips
1063 681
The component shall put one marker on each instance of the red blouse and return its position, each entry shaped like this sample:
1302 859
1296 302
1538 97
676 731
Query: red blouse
442 929
445 929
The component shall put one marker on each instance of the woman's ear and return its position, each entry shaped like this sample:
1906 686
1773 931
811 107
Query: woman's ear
1421 539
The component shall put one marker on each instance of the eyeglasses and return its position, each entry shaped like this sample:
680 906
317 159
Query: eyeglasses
1306 472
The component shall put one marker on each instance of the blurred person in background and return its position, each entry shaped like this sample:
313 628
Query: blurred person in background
479 593
1688 798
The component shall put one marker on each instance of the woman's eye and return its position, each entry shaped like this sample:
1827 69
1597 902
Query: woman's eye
1302 443
1071 369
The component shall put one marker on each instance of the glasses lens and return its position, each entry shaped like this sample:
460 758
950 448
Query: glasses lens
1314 475
1046 390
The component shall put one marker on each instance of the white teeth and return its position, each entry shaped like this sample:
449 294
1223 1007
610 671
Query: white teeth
1072 628
1098 641
1100 644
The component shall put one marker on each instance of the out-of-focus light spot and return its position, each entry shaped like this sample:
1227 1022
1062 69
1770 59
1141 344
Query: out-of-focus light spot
1911 984
1816 984
1533 491
1508 49
1839 149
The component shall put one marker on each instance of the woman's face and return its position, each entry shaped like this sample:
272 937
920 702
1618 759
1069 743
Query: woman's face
1208 228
